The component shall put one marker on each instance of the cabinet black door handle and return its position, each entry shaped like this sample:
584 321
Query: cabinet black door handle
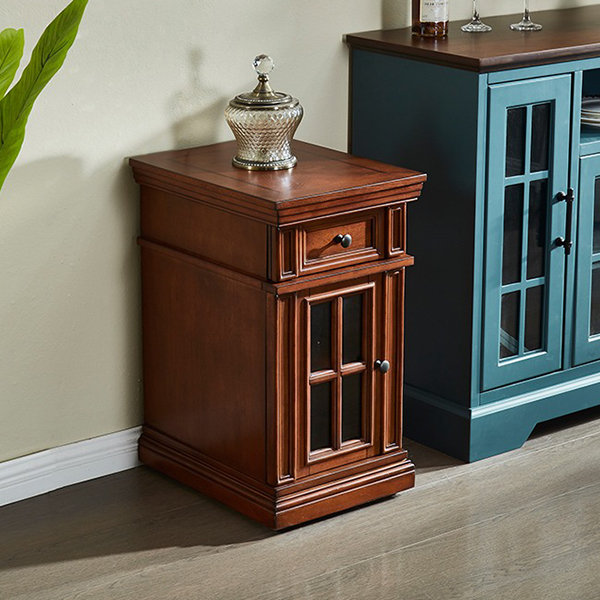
567 242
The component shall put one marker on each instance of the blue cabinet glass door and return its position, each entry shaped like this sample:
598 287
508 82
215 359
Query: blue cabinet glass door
524 267
587 299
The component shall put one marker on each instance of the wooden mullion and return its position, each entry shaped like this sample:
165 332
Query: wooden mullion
322 377
338 345
352 368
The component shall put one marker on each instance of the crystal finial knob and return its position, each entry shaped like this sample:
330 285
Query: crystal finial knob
263 64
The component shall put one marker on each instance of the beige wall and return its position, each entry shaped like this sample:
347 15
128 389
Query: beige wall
144 75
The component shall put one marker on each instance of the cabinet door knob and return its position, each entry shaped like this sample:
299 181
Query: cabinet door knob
382 365
566 244
344 240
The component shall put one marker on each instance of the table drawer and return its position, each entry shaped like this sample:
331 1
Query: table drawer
334 242
329 243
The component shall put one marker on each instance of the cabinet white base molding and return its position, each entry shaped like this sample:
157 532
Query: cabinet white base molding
59 467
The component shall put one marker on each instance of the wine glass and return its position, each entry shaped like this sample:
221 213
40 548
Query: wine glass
526 23
476 26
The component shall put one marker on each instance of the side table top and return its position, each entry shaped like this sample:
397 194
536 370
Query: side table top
322 175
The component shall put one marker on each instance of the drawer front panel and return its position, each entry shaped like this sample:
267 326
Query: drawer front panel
331 243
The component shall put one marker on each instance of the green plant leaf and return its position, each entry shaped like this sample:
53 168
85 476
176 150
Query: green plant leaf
46 59
11 52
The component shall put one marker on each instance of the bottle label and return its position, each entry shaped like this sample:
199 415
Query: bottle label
434 11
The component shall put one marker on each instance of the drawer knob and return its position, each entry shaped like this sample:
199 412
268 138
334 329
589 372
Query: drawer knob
382 365
344 240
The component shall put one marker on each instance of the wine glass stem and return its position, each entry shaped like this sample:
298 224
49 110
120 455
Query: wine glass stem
526 10
475 13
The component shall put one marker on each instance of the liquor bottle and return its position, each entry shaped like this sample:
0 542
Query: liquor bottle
430 18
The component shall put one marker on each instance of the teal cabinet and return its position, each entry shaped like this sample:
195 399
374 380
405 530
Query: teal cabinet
503 306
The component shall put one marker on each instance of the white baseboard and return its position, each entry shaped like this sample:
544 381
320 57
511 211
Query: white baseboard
66 465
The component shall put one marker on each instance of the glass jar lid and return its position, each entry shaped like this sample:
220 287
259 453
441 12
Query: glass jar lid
263 95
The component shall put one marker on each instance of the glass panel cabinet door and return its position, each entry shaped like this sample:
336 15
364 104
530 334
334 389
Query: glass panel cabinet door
524 267
587 294
339 357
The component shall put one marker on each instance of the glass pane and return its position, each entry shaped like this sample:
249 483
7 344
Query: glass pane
320 336
536 242
597 216
515 141
540 137
595 310
534 318
352 332
509 325
352 407
513 234
320 416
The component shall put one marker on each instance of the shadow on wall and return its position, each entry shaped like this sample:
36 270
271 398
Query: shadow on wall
197 108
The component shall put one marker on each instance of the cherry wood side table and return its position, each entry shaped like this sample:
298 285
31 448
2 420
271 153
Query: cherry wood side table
273 328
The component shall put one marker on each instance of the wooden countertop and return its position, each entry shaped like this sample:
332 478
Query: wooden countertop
323 178
568 34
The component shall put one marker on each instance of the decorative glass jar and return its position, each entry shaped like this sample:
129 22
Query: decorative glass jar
263 123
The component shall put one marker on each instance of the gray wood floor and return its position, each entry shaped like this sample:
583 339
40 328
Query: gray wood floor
524 525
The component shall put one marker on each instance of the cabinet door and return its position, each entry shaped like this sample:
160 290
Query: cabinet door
337 412
337 395
587 294
528 154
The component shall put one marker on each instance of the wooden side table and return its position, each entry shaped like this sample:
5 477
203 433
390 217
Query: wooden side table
273 328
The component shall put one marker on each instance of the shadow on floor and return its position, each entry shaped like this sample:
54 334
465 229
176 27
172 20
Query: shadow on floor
133 511
561 423
136 511
427 459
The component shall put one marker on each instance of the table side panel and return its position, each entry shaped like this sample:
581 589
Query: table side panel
204 361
